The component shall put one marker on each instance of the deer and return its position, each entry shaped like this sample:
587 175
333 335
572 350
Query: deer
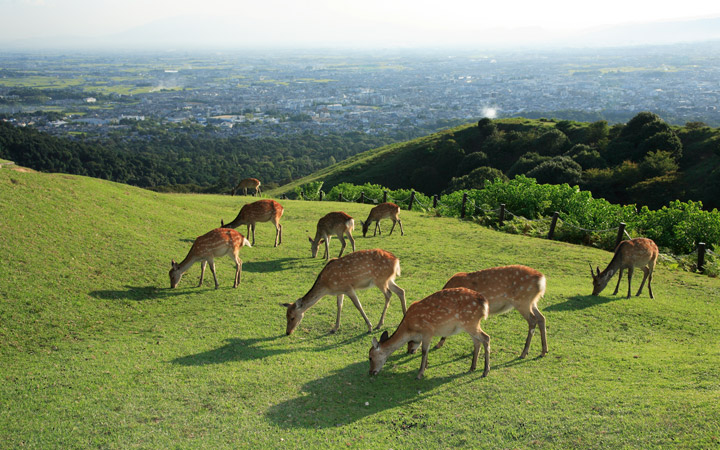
248 183
506 288
444 313
259 211
337 223
214 244
383 211
629 254
344 276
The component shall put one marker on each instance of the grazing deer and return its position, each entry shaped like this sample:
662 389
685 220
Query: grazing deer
383 211
337 223
343 276
638 252
259 211
214 244
505 288
248 183
443 313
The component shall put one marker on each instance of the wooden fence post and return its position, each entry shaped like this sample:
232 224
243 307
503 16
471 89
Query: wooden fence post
701 256
362 197
621 234
340 197
412 200
435 199
462 210
502 213
551 233
322 194
384 196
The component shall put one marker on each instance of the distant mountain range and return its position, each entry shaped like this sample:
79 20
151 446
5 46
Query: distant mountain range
190 33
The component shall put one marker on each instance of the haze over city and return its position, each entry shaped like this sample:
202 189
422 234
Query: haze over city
157 24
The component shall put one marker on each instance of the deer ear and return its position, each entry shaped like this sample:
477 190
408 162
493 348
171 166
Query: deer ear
592 274
310 239
375 343
285 305
384 337
173 264
598 271
222 224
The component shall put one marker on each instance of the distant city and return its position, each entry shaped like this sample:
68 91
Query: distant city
279 93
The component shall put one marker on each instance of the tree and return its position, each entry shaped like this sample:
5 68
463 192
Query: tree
552 142
475 179
558 170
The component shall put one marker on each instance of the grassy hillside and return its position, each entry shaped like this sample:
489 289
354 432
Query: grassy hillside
97 351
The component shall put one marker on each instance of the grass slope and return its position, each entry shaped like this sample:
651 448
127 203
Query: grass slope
97 351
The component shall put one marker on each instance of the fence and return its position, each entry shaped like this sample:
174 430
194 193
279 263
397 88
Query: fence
501 215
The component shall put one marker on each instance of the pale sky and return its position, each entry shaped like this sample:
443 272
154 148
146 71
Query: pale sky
339 21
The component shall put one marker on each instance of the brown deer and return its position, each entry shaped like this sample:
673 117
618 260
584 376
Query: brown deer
506 288
248 183
259 211
337 223
383 211
443 313
638 252
343 276
214 244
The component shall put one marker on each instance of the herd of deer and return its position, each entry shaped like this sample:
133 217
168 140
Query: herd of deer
465 300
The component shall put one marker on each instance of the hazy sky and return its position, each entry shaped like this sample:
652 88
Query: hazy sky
340 21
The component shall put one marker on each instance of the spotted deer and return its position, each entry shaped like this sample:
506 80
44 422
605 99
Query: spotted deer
343 276
506 288
337 223
383 211
638 252
214 244
248 183
259 211
444 313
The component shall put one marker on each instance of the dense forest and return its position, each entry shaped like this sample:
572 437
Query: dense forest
180 161
645 161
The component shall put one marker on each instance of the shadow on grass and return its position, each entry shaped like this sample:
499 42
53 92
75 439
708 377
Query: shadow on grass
274 265
138 293
579 302
235 350
350 394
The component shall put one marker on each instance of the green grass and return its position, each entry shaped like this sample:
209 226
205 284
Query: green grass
97 352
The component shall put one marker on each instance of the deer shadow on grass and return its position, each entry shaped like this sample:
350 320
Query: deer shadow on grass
579 302
137 293
350 394
273 265
235 349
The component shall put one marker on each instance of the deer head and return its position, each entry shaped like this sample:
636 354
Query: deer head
377 356
315 245
175 274
294 316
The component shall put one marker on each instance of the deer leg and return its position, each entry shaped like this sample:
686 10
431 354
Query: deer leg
440 343
327 248
423 363
202 272
532 322
342 243
400 292
352 240
617 286
211 263
278 234
480 337
402 233
377 228
339 309
388 296
630 273
650 277
393 227
356 301
238 271
646 273
543 332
